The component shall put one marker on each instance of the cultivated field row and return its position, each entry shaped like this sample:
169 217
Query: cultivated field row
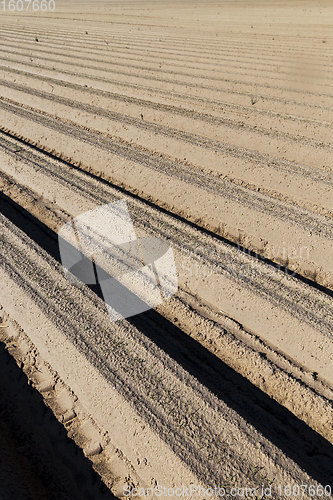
152 51
221 145
219 77
228 207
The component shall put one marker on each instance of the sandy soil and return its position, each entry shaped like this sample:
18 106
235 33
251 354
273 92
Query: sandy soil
214 122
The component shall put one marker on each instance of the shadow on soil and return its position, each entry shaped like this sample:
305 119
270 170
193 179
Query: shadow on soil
297 440
55 464
307 448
